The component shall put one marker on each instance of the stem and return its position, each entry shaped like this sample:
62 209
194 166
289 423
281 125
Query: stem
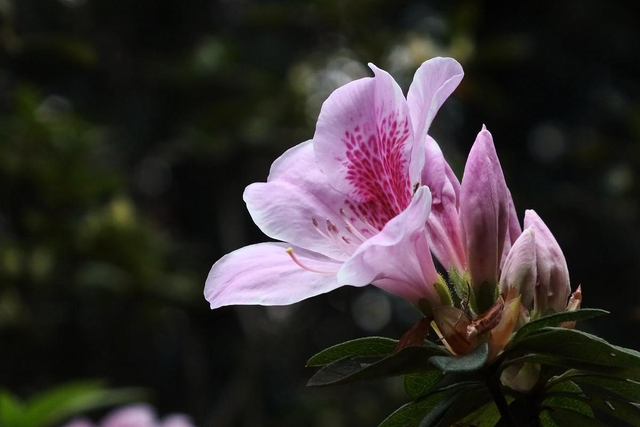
493 385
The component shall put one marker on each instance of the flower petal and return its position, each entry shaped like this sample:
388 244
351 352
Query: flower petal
398 259
575 301
501 334
80 422
444 221
176 420
264 274
138 415
433 83
296 193
519 271
513 232
363 143
521 377
553 274
484 210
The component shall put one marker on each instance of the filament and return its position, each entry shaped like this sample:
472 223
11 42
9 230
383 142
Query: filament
306 267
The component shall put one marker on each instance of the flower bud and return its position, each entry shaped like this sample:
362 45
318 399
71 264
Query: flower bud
553 285
484 215
520 270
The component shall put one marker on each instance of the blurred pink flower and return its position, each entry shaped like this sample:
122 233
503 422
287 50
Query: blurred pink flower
348 203
138 415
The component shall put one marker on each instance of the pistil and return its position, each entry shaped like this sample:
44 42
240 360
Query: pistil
306 267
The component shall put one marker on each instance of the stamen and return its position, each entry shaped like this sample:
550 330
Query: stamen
350 227
346 240
306 267
317 228
332 227
373 230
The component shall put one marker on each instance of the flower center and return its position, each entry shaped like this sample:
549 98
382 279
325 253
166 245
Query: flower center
353 231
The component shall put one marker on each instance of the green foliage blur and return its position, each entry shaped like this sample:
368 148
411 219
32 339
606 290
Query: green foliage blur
128 130
51 407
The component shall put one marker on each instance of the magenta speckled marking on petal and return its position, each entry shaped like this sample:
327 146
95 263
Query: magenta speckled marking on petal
376 168
363 143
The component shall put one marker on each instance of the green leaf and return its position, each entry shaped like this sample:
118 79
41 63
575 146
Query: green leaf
616 408
429 409
417 385
464 400
560 396
625 388
591 368
557 319
10 409
468 363
361 347
546 420
61 403
406 361
57 405
580 347
411 414
487 416
564 417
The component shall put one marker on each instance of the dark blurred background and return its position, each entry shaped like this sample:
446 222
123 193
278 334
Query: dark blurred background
129 129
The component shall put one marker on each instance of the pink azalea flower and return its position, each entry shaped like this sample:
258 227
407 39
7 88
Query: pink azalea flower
138 415
348 203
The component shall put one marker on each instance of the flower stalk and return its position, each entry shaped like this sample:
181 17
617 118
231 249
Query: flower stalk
493 384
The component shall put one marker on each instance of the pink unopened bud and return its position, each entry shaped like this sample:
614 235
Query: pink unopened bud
513 231
553 285
484 211
520 269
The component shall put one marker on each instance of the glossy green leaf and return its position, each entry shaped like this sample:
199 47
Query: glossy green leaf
546 420
616 408
557 319
579 347
466 363
591 368
411 414
460 405
361 347
625 388
417 385
406 361
566 418
487 416
430 409
560 396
